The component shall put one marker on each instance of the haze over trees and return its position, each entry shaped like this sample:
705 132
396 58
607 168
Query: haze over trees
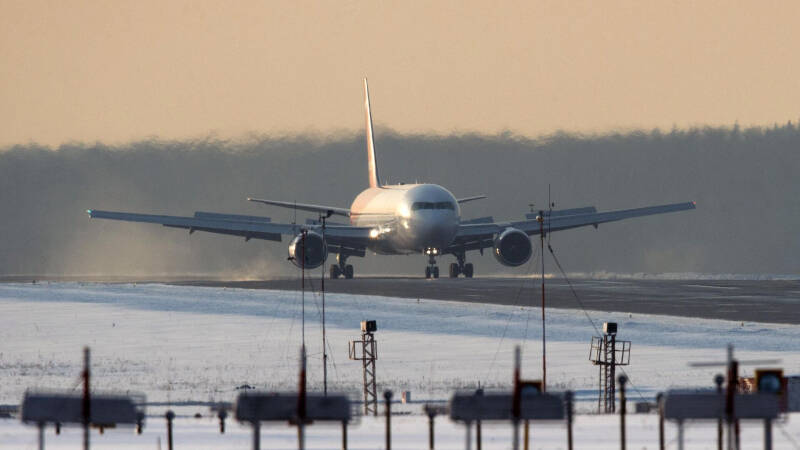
745 183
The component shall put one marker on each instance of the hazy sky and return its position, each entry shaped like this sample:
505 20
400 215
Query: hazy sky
116 70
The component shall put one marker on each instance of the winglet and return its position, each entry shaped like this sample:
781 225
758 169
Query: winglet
372 163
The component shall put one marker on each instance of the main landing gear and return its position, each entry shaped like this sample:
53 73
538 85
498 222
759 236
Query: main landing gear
460 267
432 270
341 268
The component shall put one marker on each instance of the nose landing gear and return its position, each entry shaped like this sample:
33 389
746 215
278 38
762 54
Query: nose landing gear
432 270
341 268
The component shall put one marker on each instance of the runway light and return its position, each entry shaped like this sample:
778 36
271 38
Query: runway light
769 381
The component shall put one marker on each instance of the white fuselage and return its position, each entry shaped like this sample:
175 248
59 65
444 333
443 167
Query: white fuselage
407 218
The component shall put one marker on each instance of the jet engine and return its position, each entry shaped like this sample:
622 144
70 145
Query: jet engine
315 252
512 247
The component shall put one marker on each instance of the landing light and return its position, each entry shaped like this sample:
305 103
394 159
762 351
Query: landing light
373 233
404 211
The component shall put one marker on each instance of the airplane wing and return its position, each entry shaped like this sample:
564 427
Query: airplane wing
477 236
470 199
322 209
352 239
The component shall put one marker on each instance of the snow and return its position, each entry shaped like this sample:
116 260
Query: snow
198 344
408 432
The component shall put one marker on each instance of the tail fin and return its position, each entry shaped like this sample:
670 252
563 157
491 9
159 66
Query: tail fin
372 163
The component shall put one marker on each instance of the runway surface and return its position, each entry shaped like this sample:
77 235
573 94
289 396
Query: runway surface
738 300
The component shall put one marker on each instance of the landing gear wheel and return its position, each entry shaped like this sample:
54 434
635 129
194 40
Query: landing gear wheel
468 270
427 272
454 270
348 271
335 272
435 272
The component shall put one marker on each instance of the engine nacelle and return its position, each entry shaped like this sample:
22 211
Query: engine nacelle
316 251
512 247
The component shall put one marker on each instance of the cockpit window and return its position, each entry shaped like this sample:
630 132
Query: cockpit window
429 205
444 205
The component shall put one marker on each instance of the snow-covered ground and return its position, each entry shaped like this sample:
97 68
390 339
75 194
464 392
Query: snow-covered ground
190 343
408 433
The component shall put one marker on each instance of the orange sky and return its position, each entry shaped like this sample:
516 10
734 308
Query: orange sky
114 71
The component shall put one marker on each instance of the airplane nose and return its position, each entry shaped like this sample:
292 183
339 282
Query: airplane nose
436 232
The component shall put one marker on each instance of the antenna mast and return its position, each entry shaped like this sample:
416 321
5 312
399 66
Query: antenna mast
540 218
303 288
324 348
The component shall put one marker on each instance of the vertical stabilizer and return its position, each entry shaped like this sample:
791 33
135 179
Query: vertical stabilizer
372 163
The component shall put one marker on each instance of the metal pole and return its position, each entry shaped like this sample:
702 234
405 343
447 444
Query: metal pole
344 435
303 288
544 339
431 416
767 434
515 406
301 402
324 350
515 434
660 400
87 404
737 430
256 435
526 444
680 435
718 380
468 445
601 392
729 397
478 437
613 371
41 435
387 395
568 399
222 415
622 381
170 416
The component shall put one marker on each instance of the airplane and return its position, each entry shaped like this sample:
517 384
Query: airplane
397 219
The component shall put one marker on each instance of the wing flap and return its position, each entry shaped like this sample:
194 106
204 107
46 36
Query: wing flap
564 212
264 230
231 217
476 236
574 221
353 238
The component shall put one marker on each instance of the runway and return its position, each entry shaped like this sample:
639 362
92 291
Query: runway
737 300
